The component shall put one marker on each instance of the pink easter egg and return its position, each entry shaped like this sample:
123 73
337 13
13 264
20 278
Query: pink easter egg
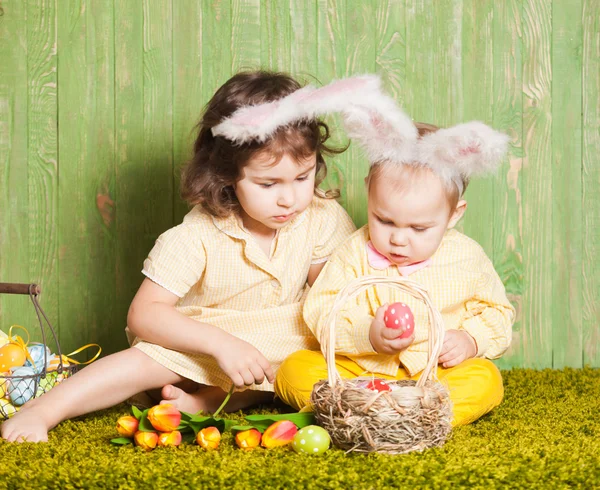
398 315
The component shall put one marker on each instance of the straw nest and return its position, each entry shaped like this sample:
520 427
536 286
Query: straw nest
413 416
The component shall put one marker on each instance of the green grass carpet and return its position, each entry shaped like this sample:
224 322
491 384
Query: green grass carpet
546 434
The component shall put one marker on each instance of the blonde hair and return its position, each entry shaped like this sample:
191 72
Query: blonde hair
404 174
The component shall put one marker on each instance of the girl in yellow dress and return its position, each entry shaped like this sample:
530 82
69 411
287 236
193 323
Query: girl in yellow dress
221 303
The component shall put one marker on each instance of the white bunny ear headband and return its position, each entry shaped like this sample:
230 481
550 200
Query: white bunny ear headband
381 128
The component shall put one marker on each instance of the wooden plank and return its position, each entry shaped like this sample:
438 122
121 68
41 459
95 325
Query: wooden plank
420 68
537 184
86 176
331 64
217 58
361 46
15 252
477 97
275 23
566 304
390 58
187 95
158 116
43 152
245 35
303 40
590 270
508 205
447 61
132 176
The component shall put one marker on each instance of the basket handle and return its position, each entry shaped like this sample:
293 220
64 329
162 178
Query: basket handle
18 288
357 286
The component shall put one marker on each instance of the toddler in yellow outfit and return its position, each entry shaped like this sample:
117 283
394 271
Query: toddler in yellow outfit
414 202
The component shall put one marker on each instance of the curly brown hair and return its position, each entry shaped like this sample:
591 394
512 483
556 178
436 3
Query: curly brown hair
217 163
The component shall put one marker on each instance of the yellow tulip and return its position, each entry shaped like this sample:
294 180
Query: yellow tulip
209 438
146 440
127 426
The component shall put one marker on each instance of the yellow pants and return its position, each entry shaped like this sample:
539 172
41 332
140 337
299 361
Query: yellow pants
475 385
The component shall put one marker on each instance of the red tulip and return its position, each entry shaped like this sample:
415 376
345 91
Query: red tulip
127 426
146 440
164 417
279 434
209 438
169 439
248 439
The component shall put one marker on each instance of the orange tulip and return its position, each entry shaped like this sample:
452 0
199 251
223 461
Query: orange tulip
127 426
169 439
248 439
209 438
279 434
146 440
164 417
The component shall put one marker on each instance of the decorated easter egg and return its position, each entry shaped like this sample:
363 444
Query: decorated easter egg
378 385
36 352
11 355
7 409
398 315
54 363
3 384
22 389
311 439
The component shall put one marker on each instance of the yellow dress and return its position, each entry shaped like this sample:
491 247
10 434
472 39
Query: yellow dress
462 284
224 278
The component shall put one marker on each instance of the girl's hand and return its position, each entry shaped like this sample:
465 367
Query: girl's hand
243 363
386 340
458 346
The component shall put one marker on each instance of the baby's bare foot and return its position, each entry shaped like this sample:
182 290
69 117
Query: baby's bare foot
26 426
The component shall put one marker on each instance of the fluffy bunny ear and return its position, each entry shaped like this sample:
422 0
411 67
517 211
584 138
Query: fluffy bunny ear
259 122
467 149
381 128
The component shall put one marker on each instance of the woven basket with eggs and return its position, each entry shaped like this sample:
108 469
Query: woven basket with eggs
410 416
28 370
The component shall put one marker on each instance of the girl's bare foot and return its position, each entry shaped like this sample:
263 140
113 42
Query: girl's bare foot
187 402
27 425
209 398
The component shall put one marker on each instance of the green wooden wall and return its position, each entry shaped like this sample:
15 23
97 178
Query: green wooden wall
98 99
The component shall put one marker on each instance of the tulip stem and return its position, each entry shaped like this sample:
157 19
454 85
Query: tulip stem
224 401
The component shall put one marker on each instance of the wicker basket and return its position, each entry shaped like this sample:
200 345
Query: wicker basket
31 386
414 416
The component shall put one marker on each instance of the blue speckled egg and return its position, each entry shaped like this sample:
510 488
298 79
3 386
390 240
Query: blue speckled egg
36 351
22 389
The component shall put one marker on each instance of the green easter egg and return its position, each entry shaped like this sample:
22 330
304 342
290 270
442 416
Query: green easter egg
311 439
7 409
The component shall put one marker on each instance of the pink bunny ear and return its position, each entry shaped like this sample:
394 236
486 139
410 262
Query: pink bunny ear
381 128
467 149
259 122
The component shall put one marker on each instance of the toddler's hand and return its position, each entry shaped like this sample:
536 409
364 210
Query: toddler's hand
386 340
243 363
458 346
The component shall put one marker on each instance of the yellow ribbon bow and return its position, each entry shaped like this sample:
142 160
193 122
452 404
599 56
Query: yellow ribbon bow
68 360
17 340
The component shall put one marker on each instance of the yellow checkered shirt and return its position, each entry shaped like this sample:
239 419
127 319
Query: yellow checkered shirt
461 282
224 278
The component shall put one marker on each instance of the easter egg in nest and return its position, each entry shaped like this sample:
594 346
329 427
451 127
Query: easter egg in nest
7 409
22 385
11 355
